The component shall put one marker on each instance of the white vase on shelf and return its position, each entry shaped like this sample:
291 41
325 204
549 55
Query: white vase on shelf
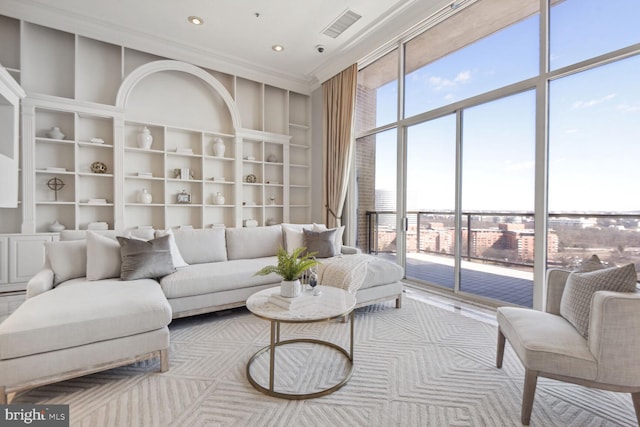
145 139
55 133
218 147
219 198
144 197
56 227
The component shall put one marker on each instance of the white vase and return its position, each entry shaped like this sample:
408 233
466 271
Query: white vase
218 147
145 139
56 227
290 289
55 133
219 198
144 196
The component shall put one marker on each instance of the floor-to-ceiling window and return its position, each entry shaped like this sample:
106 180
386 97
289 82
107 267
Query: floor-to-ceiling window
471 143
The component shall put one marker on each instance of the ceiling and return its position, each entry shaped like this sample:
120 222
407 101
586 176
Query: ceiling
237 35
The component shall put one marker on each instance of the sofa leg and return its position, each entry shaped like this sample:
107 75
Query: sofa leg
399 301
528 393
636 404
164 360
500 350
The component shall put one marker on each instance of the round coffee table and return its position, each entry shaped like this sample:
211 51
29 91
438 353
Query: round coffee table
332 303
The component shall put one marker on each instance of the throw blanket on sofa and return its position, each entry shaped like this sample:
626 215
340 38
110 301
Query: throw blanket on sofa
346 272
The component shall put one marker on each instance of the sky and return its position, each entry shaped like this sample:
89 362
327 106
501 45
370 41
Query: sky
594 131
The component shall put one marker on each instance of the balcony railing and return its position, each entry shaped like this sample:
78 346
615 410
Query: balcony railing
503 242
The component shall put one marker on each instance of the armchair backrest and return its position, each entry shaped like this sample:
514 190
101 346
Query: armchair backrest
556 280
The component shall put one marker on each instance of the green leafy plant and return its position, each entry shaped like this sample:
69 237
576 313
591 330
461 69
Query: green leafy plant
290 266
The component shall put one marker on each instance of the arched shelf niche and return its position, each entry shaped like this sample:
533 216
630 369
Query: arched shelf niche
186 110
178 94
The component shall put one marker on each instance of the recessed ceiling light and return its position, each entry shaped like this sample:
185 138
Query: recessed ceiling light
277 47
195 20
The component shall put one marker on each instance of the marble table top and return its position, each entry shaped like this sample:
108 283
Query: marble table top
331 303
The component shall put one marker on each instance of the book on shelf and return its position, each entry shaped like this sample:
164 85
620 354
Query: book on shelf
184 150
98 225
303 300
55 169
145 174
97 201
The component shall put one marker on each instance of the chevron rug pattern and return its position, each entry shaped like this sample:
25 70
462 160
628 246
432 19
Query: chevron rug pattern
422 365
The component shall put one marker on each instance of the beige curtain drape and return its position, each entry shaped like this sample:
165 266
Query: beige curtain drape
339 98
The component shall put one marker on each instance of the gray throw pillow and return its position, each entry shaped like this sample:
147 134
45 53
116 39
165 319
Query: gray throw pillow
145 259
575 305
322 242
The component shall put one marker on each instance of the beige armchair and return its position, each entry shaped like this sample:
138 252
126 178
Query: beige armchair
549 346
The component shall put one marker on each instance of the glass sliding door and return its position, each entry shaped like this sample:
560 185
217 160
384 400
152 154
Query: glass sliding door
498 152
431 180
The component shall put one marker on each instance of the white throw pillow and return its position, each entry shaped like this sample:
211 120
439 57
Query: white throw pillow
103 257
293 236
339 233
68 259
176 256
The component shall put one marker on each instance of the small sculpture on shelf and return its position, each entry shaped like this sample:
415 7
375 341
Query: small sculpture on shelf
55 184
98 167
271 158
55 133
145 139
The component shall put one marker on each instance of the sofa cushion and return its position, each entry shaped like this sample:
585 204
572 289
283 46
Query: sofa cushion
565 352
203 245
102 310
253 242
381 272
322 243
103 257
176 256
145 258
575 305
68 259
200 279
293 236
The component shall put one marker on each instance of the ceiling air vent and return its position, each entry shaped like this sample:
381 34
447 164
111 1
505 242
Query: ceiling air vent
341 23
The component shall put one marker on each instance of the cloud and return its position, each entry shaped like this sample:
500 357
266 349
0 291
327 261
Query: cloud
592 102
570 131
626 108
442 83
529 164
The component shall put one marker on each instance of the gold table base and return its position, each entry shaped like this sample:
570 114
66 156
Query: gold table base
275 343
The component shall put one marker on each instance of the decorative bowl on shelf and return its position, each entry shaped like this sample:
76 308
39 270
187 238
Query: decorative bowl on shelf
55 133
251 179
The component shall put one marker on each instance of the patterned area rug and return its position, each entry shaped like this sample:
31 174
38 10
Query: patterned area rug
422 365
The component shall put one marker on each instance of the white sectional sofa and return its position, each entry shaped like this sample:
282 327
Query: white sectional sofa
80 317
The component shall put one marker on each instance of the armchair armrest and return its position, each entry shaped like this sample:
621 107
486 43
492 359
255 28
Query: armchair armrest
40 283
614 336
556 280
349 250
